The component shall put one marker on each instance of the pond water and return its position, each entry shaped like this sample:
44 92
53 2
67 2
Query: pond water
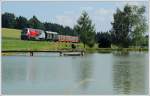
93 73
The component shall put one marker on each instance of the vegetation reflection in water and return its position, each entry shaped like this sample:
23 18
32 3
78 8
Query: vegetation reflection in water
83 74
128 73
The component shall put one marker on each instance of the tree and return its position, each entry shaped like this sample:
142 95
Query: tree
128 26
85 30
35 23
139 25
69 31
21 22
8 20
121 28
59 28
103 39
145 41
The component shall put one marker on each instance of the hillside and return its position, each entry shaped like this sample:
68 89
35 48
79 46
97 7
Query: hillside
11 41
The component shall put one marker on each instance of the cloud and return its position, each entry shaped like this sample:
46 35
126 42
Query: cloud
103 14
122 4
68 12
87 8
102 18
138 3
134 3
68 18
103 11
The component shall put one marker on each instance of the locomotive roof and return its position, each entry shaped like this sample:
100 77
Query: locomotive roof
33 29
51 32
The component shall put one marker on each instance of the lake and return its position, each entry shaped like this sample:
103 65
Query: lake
93 73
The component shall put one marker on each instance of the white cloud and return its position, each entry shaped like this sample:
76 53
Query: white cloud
122 4
103 11
103 14
136 3
102 18
68 12
87 8
68 18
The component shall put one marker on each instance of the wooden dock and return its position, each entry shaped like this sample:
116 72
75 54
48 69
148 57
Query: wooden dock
61 52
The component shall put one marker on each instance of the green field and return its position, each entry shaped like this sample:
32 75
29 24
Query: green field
11 41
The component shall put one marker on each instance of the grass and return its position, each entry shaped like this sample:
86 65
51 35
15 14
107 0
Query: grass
11 41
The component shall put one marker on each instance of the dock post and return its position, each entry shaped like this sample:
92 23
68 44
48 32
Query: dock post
31 53
60 53
82 53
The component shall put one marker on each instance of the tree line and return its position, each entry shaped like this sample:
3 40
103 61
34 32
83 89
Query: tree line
129 28
9 20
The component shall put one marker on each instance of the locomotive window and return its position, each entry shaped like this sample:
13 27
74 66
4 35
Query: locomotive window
40 32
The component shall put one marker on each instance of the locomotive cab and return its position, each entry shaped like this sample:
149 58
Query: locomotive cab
24 34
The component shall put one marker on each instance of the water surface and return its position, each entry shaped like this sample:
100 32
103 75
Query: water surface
94 73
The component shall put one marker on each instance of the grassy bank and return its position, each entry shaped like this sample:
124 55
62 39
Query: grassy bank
11 41
108 50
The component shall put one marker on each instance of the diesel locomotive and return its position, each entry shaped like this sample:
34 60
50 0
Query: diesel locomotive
37 34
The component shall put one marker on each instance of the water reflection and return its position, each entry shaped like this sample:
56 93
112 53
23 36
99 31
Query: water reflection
120 53
128 73
18 72
83 69
31 70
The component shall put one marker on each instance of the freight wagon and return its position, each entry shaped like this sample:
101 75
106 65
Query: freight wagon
36 34
64 38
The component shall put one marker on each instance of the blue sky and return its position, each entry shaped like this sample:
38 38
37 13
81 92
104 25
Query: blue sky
67 13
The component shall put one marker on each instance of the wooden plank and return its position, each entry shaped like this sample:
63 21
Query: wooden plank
61 52
5 51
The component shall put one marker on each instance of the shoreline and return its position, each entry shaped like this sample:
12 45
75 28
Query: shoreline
87 50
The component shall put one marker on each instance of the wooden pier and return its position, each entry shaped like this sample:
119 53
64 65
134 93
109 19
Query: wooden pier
61 52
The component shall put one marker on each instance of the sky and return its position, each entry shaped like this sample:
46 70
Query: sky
67 13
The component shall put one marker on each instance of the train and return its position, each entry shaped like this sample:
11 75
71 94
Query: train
37 34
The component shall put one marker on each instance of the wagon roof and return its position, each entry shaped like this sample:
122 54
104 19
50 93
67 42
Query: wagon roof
51 32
